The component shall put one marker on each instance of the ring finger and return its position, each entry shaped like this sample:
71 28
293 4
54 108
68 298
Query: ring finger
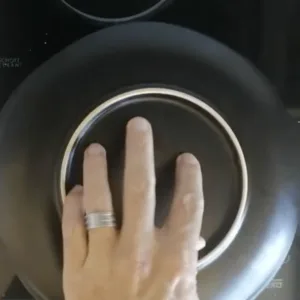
97 196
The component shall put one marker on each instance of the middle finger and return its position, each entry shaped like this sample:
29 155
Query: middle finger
139 184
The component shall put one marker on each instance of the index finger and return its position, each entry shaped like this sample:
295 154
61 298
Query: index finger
185 220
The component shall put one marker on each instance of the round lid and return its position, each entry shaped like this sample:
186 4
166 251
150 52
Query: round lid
181 123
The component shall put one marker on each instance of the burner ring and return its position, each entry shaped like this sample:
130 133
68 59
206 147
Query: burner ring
144 14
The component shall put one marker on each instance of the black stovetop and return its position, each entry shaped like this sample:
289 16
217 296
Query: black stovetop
283 287
32 31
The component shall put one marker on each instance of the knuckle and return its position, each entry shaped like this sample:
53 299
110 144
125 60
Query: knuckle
189 200
128 265
174 265
192 203
134 261
144 186
187 205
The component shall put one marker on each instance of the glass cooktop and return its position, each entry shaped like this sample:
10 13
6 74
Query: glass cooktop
32 31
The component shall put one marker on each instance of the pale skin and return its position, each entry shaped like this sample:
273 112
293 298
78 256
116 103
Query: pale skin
139 262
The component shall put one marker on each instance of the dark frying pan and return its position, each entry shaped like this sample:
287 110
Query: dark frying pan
200 97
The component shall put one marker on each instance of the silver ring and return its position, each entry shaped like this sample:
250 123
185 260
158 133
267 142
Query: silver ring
100 219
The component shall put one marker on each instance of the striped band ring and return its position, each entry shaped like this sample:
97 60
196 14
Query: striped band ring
100 219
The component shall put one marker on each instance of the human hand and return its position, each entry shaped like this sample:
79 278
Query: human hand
140 262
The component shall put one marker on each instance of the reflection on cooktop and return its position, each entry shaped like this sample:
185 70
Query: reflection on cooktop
285 285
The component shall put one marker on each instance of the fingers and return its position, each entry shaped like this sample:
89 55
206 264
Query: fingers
97 195
74 233
200 244
139 184
185 220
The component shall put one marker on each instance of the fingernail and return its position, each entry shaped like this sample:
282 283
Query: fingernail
139 123
78 189
188 158
95 149
200 244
